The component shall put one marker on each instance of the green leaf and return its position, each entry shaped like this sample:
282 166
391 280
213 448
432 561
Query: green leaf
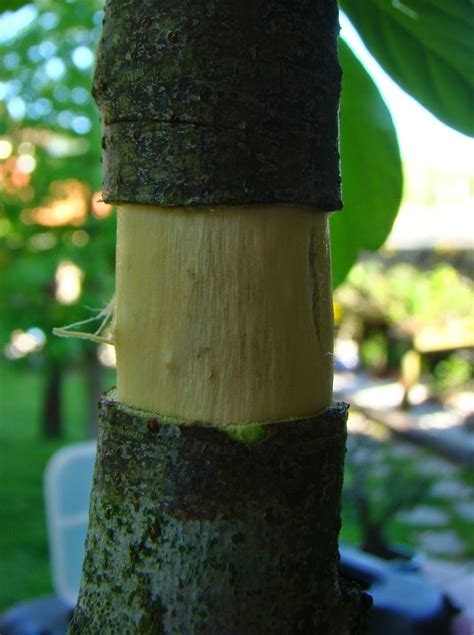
13 5
371 168
427 47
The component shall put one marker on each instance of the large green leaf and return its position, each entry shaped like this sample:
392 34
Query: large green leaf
427 47
13 5
371 168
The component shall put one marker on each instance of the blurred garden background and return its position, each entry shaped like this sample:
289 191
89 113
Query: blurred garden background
403 264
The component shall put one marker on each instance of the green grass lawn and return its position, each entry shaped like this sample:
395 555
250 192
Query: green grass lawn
24 566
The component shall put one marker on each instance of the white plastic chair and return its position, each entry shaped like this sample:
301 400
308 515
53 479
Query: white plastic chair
67 489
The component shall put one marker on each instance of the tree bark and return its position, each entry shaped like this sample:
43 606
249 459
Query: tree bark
228 104
197 529
218 526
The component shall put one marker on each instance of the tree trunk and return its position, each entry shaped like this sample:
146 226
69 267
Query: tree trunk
216 498
52 410
197 529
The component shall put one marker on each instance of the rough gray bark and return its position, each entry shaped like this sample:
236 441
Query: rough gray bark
226 102
193 530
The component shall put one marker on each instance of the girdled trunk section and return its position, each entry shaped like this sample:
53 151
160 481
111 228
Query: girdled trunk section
221 150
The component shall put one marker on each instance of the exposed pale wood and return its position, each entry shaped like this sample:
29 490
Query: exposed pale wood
224 315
